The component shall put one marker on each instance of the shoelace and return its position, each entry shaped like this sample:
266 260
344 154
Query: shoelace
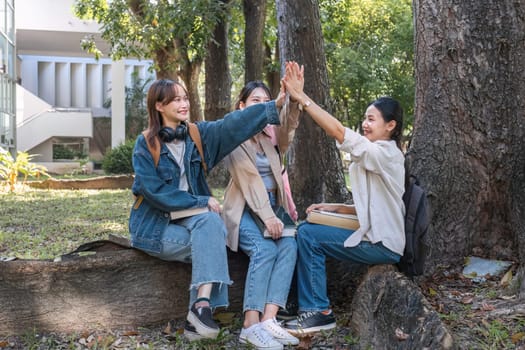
262 335
305 315
275 327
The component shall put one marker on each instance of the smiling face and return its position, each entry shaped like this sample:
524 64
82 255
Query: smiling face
177 109
374 126
258 95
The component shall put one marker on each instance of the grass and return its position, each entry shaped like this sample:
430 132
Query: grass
43 224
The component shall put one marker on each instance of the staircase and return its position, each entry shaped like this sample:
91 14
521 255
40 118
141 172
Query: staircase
38 122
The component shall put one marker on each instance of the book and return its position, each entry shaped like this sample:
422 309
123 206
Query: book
179 214
330 218
289 229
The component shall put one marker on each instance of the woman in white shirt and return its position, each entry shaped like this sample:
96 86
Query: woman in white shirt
377 174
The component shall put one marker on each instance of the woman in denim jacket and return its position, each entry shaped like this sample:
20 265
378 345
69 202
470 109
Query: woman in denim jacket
178 182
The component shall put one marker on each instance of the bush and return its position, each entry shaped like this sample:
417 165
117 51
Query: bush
62 152
118 160
11 168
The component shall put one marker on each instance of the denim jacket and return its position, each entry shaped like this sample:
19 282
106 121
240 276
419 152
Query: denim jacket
159 186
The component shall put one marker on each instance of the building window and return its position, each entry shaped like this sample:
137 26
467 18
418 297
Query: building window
7 76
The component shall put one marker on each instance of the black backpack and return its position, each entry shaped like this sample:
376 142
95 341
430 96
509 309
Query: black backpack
417 220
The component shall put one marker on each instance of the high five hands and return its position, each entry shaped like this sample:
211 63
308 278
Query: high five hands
292 82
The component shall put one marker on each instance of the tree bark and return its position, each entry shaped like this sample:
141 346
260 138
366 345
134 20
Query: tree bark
467 147
190 72
389 311
218 90
254 17
102 286
218 80
273 76
315 166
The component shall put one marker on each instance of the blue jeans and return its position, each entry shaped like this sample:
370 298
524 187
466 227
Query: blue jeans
271 268
200 240
314 244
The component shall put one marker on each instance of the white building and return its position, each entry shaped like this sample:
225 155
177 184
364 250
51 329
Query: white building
61 89
7 75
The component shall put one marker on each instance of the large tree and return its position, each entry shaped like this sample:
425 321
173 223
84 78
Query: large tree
314 161
175 34
467 147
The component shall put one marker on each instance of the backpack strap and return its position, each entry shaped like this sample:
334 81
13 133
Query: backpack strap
153 149
195 136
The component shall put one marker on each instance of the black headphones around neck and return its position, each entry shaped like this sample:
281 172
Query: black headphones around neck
167 134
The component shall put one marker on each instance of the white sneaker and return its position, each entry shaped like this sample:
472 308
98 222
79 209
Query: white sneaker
260 338
279 333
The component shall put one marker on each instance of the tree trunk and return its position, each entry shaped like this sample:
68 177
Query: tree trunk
190 74
300 39
254 17
218 90
273 76
218 80
166 59
101 286
406 310
469 128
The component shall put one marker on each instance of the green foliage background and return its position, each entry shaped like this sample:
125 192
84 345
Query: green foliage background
368 43
369 50
118 159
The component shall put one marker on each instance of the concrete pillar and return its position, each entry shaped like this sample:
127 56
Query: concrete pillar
118 103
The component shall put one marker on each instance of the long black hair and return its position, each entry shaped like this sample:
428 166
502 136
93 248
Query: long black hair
248 89
391 110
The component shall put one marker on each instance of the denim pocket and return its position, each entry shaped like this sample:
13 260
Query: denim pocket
165 173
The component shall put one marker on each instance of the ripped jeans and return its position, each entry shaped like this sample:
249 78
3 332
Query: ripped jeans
201 241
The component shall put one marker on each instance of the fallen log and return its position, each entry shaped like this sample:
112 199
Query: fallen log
98 183
107 285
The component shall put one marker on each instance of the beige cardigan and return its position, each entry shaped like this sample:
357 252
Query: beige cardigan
246 185
377 174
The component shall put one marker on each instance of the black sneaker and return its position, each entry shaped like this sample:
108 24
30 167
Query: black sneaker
201 318
190 332
310 322
288 313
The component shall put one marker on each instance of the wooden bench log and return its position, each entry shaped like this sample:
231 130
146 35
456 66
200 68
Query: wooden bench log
109 286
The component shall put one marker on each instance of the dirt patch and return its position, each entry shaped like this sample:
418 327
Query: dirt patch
480 315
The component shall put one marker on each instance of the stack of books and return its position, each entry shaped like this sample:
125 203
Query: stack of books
330 218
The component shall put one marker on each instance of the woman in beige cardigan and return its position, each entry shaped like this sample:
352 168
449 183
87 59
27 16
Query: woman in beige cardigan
255 190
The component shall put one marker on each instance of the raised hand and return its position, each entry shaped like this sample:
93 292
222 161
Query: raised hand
294 80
